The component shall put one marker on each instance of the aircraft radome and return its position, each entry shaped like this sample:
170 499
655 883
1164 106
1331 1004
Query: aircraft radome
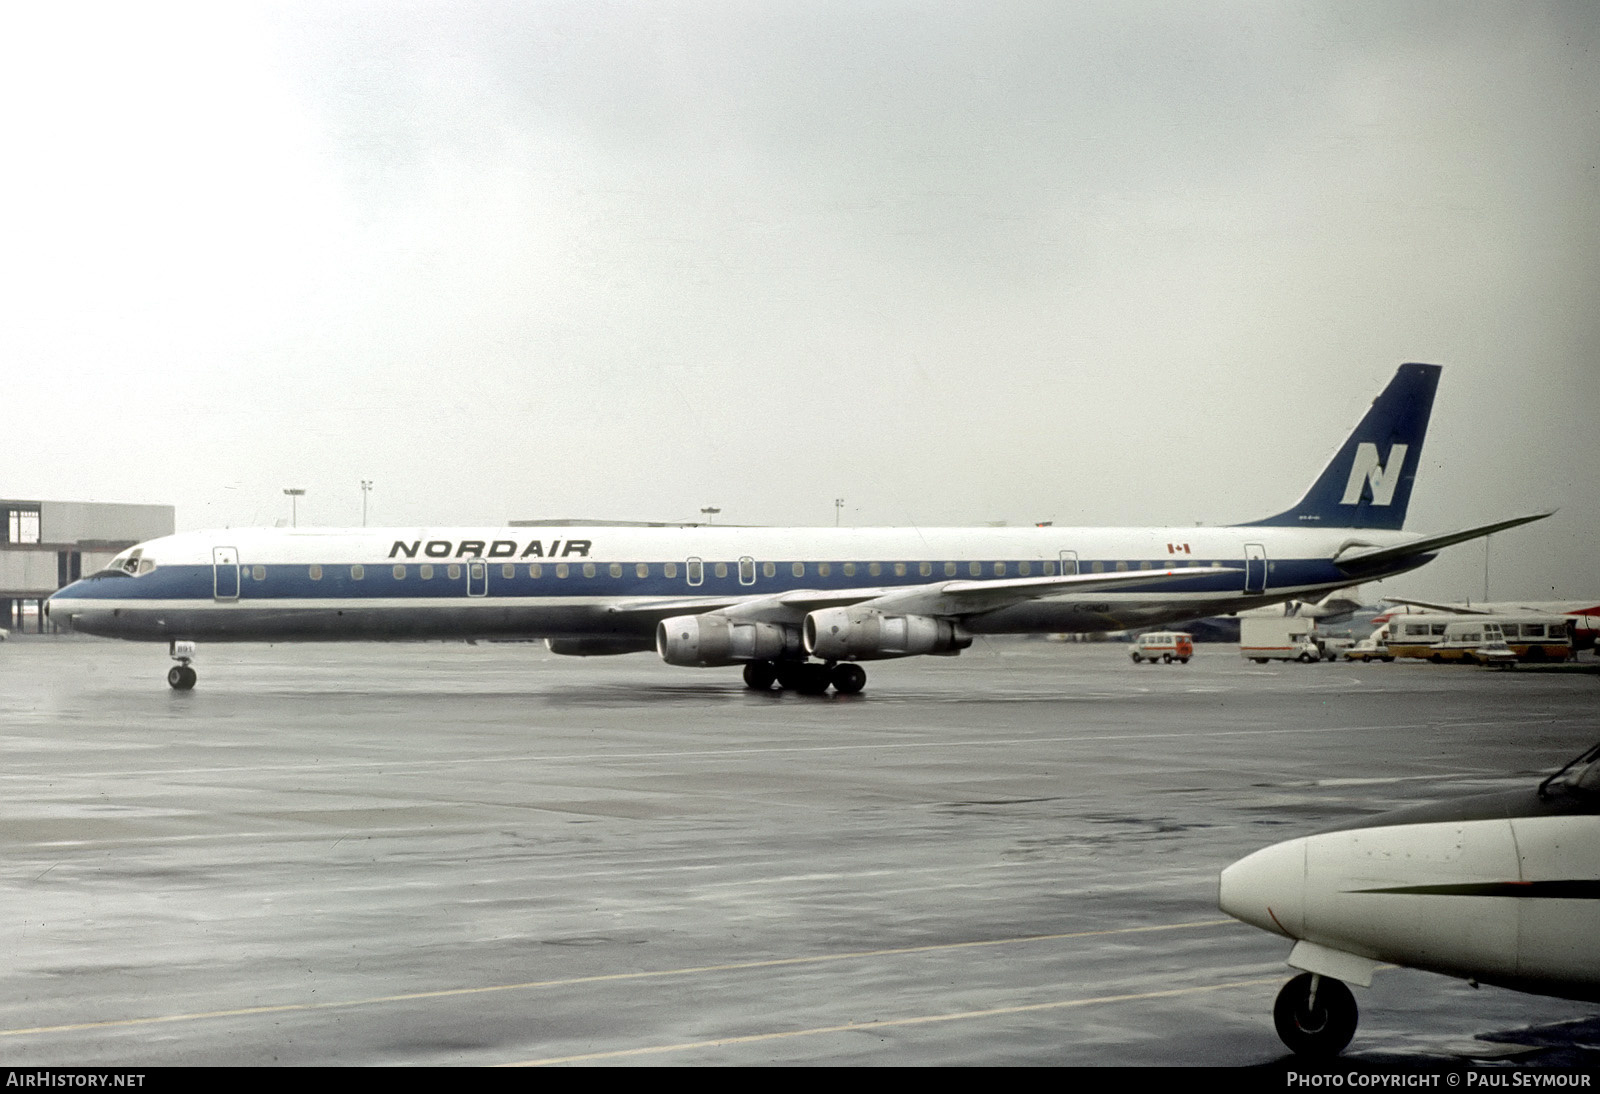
1494 888
799 607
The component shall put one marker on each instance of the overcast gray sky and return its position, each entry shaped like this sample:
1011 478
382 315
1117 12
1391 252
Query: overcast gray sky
1096 263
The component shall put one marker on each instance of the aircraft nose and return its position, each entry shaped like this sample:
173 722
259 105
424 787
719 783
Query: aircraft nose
1267 889
58 608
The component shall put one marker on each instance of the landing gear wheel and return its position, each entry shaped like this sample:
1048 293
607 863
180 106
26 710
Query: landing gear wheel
181 677
1315 1015
848 678
760 675
813 679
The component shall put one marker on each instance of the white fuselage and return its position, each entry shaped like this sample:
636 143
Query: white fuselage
1508 899
611 582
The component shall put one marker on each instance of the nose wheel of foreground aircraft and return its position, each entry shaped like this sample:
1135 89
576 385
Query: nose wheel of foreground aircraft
182 677
806 677
1315 1015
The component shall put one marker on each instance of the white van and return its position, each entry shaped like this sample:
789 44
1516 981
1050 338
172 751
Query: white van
1167 646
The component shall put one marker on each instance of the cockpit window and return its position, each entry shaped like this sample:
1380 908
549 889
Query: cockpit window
130 563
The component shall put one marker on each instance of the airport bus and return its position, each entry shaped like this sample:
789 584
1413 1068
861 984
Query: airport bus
1453 637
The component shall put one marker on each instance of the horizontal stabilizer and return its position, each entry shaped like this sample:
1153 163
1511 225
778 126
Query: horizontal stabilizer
1373 557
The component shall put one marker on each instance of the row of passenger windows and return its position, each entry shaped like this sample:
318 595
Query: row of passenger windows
696 569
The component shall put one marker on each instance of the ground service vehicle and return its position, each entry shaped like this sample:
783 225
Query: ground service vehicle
1446 637
1374 647
1164 646
1279 638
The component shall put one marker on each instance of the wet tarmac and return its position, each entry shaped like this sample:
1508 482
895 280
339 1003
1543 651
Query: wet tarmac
452 854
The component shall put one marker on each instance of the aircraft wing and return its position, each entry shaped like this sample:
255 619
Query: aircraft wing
1428 545
1457 609
942 598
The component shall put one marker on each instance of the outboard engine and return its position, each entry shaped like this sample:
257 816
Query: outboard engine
700 641
865 634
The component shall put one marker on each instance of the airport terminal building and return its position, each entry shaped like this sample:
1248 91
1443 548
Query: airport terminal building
46 544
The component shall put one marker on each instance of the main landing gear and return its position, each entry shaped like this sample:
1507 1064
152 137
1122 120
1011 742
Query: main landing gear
806 677
181 677
1315 1015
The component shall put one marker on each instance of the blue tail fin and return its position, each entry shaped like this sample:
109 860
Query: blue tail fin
1368 484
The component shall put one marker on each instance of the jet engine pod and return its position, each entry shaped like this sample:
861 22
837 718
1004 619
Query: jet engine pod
865 634
706 640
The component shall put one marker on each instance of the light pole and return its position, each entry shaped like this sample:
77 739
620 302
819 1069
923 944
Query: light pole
295 494
366 488
710 511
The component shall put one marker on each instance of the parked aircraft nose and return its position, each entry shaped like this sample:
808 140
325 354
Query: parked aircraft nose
1268 889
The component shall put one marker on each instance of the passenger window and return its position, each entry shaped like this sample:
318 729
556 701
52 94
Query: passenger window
696 571
849 569
925 569
1097 567
1024 568
824 569
357 572
747 571
999 569
508 571
669 569
975 569
425 572
642 570
399 573
562 569
769 569
454 572
615 569
899 569
720 569
1122 567
257 572
588 569
798 569
874 569
316 572
535 570
949 569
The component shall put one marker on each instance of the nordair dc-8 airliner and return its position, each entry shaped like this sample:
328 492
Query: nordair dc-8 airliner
796 607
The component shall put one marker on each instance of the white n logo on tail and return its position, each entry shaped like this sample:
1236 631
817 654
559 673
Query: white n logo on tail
1367 470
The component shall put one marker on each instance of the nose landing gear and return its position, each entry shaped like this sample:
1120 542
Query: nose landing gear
181 677
1315 1015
